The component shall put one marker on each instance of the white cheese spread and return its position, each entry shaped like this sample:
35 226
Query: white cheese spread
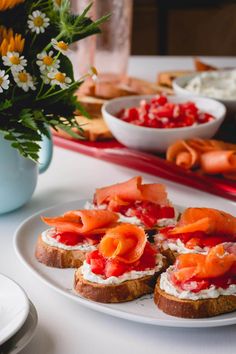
48 239
176 245
210 293
216 84
133 219
133 274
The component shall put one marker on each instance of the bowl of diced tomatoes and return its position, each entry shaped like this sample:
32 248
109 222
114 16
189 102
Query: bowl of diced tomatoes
152 123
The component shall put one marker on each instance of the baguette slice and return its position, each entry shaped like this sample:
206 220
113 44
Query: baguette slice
126 291
169 254
58 257
193 308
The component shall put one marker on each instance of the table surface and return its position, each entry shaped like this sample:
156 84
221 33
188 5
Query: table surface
66 327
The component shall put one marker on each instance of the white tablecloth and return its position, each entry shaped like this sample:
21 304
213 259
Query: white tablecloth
66 327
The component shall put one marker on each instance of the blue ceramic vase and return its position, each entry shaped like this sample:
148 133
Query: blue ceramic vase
18 175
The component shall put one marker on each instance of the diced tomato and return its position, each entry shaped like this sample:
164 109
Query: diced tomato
212 241
68 238
97 265
92 255
167 212
160 113
148 258
115 269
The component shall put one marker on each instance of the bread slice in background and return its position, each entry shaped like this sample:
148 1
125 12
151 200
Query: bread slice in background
58 257
174 306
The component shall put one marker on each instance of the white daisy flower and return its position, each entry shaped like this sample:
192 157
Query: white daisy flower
4 82
46 61
61 46
24 80
14 60
58 78
38 22
45 78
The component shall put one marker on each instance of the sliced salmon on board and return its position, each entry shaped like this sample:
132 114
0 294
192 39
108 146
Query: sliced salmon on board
83 221
208 220
216 162
182 155
124 243
132 190
215 264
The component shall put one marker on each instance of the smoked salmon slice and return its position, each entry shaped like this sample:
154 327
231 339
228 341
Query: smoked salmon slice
124 243
211 221
215 264
83 221
210 156
132 190
182 154
215 162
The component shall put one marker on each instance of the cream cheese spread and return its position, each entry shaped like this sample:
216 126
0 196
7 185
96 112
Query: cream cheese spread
177 245
133 274
211 293
133 219
48 239
216 84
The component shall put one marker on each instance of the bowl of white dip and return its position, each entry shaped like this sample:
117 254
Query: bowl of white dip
220 85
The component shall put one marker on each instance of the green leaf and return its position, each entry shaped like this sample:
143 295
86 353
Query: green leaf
27 118
5 105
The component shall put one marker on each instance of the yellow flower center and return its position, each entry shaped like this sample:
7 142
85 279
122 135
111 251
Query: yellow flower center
60 77
62 45
23 77
47 60
1 81
14 60
38 21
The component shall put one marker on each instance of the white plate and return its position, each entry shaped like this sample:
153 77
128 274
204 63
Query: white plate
19 341
14 308
141 310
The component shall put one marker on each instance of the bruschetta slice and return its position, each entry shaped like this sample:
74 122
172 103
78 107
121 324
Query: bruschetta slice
198 230
71 236
124 267
199 285
141 204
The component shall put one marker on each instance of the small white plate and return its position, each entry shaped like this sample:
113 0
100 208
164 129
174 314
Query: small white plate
19 341
14 308
141 310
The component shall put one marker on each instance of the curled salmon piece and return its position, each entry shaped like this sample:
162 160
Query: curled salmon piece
182 154
215 264
132 190
83 221
211 156
124 243
206 219
215 162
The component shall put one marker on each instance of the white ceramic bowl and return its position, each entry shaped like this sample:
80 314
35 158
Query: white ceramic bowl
154 139
180 83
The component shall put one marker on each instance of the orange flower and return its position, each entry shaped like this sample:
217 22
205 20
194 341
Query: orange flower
10 42
8 4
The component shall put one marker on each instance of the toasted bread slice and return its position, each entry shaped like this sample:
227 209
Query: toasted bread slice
193 308
126 291
92 105
58 257
166 78
169 254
